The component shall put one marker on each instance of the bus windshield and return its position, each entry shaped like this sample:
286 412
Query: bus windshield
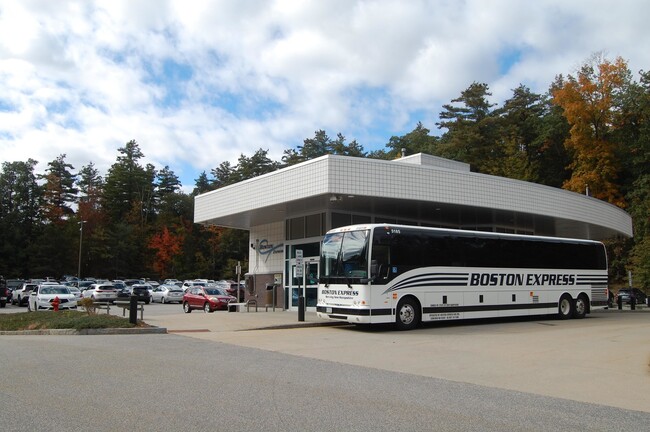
345 256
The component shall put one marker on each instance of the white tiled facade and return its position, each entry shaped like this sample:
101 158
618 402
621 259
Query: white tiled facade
283 194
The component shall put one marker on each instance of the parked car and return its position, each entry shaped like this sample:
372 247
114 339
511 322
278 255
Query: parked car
21 295
13 285
42 296
141 291
105 292
167 294
626 294
4 292
84 284
193 283
207 298
231 288
75 291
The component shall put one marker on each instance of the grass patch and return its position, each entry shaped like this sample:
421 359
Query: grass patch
47 320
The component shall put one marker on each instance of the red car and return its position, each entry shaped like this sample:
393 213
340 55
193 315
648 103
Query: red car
207 298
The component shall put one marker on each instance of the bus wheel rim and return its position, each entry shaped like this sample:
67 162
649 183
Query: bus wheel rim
565 306
406 314
580 306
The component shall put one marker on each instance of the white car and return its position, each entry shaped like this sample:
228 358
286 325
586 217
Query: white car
21 295
76 292
105 292
42 296
167 294
192 284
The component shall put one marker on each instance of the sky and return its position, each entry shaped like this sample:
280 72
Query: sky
197 83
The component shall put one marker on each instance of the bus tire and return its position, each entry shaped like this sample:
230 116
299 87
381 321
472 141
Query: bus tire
408 314
580 307
565 307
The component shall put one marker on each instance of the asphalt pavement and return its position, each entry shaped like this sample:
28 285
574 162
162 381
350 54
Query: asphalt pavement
603 359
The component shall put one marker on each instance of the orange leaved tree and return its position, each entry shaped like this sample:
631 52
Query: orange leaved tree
167 247
591 102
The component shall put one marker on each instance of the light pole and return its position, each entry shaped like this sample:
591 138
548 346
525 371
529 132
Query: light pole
81 234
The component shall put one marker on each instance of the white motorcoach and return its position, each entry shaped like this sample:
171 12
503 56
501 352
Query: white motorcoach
384 273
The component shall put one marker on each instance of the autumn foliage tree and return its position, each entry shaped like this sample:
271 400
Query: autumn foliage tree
591 102
167 246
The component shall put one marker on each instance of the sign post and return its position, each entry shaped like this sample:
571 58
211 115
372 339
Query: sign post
238 271
299 275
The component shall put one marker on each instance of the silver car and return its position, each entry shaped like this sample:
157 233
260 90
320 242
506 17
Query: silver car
167 294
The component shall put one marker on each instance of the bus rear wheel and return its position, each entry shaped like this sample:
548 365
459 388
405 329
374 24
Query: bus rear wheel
580 309
565 307
408 314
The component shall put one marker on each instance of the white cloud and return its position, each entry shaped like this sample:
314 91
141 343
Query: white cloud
83 78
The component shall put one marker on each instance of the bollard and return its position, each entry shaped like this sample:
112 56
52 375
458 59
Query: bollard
133 310
632 302
619 302
301 308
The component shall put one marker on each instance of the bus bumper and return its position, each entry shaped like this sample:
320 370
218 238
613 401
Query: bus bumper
354 315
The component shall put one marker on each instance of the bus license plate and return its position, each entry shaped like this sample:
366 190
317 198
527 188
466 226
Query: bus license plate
328 310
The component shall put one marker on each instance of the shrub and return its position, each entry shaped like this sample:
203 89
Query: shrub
89 305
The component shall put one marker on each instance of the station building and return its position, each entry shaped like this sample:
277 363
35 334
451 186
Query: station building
291 209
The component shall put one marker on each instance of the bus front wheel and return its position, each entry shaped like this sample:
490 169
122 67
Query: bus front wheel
408 314
566 307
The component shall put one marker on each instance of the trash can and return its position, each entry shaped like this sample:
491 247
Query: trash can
269 295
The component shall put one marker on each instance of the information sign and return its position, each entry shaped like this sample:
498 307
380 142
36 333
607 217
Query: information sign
299 263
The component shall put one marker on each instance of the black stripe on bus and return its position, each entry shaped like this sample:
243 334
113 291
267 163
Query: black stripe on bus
431 279
355 312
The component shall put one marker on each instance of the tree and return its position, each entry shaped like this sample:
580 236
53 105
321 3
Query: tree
471 136
20 216
59 191
339 147
91 187
320 145
256 165
553 158
591 102
225 174
201 184
167 247
127 183
416 141
520 135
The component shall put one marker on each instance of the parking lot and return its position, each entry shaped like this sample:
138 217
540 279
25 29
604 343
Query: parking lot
603 359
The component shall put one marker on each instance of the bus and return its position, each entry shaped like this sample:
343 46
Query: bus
385 273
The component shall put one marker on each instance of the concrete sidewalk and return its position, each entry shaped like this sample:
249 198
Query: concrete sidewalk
221 321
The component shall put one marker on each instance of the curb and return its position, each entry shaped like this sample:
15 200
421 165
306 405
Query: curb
298 325
90 332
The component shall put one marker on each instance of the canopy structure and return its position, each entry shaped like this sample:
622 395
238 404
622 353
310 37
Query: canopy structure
417 190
